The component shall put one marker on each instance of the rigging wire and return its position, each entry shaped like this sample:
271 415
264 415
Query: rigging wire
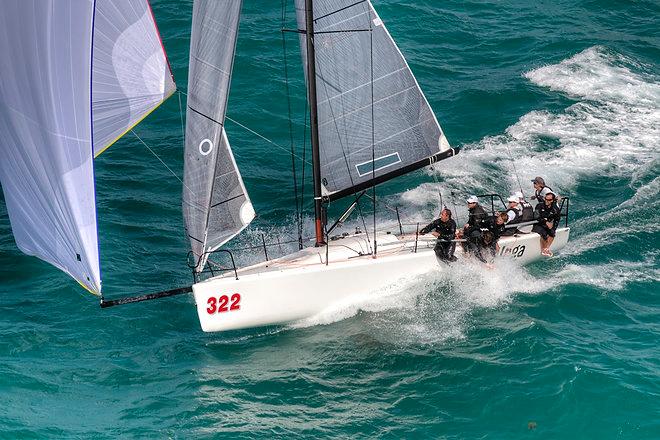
341 144
437 183
304 154
283 148
288 101
161 160
183 130
515 171
373 129
453 202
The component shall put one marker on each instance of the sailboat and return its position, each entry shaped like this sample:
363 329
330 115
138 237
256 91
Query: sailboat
369 123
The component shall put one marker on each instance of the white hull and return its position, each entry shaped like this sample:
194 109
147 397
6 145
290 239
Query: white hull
301 285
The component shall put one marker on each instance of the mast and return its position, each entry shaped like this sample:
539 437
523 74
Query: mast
314 123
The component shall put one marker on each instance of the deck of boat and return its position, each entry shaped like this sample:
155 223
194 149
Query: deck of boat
360 247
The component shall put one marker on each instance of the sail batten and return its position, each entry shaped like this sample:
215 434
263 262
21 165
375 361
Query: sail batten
216 205
374 120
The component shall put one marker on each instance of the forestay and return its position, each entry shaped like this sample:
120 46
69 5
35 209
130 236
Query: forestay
374 121
46 133
131 74
216 206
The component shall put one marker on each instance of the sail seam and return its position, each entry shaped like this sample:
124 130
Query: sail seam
210 65
369 105
344 21
361 85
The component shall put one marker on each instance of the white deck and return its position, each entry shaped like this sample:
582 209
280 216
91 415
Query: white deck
303 284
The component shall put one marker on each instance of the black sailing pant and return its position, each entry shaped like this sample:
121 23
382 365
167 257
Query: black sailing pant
444 250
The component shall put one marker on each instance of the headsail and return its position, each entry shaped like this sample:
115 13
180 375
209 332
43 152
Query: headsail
46 165
216 206
365 86
74 76
131 73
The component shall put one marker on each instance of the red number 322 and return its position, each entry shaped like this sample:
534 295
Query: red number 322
221 303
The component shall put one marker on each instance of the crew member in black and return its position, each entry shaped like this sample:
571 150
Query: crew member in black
487 248
444 229
548 215
496 225
472 229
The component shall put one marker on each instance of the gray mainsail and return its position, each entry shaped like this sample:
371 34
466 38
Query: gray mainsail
216 205
374 121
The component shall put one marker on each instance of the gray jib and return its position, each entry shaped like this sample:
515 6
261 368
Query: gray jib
404 127
215 204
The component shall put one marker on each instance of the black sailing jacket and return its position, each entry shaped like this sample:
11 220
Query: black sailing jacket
445 229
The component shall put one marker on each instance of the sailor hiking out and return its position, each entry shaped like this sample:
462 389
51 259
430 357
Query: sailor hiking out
444 228
548 215
540 189
472 229
496 225
487 248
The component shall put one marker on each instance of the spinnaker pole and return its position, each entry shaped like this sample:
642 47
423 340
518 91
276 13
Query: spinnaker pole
319 218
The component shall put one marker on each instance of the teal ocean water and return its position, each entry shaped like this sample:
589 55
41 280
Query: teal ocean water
566 348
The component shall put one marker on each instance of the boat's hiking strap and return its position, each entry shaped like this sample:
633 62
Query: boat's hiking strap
147 297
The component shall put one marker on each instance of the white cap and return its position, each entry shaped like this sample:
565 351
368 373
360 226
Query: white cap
472 199
520 196
512 198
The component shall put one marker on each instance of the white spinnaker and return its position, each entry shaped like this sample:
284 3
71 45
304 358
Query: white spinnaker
131 74
216 205
46 165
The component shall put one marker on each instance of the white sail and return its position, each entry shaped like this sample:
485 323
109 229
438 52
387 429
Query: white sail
131 74
46 165
74 76
374 121
216 205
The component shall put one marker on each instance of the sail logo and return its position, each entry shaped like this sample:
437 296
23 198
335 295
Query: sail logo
205 147
379 163
222 303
